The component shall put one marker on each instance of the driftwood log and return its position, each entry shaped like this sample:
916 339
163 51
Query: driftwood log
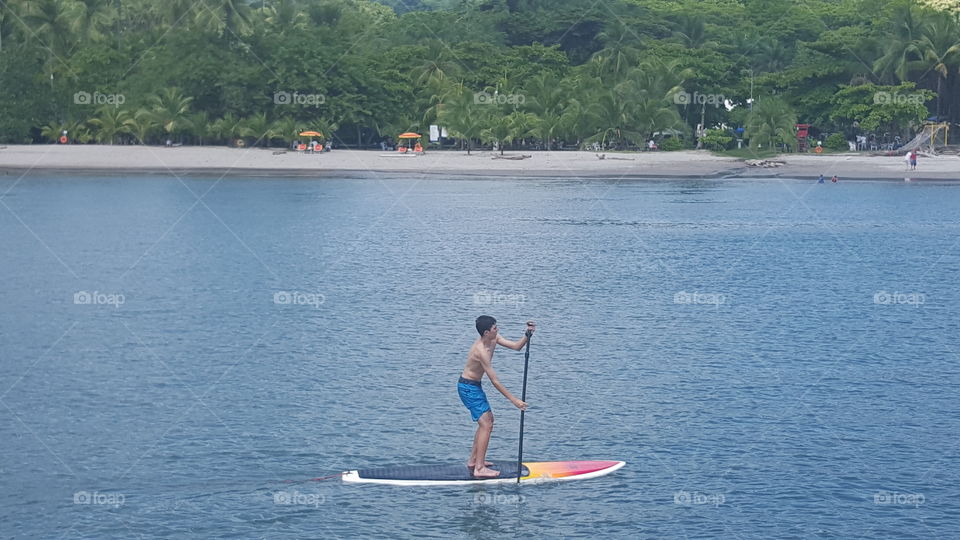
765 163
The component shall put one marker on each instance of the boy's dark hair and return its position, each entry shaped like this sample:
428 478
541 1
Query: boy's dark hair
484 323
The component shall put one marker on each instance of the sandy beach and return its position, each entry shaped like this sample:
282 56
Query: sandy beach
218 160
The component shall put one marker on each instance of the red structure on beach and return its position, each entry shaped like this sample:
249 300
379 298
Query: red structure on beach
803 131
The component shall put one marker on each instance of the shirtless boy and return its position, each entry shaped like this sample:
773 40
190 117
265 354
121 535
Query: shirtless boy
480 361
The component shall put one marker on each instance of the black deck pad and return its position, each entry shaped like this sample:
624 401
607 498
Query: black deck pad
508 469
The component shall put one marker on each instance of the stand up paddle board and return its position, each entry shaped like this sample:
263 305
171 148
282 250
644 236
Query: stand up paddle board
460 474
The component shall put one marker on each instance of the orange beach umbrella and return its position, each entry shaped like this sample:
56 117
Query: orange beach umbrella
409 135
311 134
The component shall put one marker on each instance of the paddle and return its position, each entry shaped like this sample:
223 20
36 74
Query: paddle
523 397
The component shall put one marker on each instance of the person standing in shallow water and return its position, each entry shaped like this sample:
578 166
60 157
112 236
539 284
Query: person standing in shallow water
480 362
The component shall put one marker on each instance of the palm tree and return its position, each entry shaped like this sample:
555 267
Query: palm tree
49 22
52 131
284 15
617 34
170 109
547 127
902 51
227 128
653 115
770 121
575 121
654 85
6 16
175 13
504 129
110 121
286 128
89 17
437 64
940 45
441 89
658 79
691 30
612 64
744 43
546 99
325 125
771 56
141 125
258 128
76 131
233 16
507 88
200 125
498 131
463 117
637 106
612 113
399 124
545 95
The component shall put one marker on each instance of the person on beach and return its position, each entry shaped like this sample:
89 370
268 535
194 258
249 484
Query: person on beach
480 361
913 160
906 158
834 179
820 181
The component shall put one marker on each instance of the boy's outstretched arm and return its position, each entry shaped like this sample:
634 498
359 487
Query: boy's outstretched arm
518 345
492 375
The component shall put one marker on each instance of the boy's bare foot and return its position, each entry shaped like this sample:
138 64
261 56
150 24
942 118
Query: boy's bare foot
485 473
485 464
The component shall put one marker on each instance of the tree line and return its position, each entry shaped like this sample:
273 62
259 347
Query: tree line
557 73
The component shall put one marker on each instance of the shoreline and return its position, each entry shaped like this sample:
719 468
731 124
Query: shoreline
738 174
106 160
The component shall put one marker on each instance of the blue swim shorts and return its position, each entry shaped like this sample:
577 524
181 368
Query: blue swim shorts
472 396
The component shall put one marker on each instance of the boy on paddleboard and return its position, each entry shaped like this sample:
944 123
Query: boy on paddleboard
480 361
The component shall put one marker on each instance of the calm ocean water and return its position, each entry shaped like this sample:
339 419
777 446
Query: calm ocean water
772 359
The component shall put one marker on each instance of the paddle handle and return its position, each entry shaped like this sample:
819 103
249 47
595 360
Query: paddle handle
523 397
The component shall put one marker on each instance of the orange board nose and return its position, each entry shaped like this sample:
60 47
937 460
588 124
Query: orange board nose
557 469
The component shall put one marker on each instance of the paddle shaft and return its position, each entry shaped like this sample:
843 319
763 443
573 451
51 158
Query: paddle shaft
523 397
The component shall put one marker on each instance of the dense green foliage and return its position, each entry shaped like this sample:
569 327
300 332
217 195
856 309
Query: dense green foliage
542 73
836 142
